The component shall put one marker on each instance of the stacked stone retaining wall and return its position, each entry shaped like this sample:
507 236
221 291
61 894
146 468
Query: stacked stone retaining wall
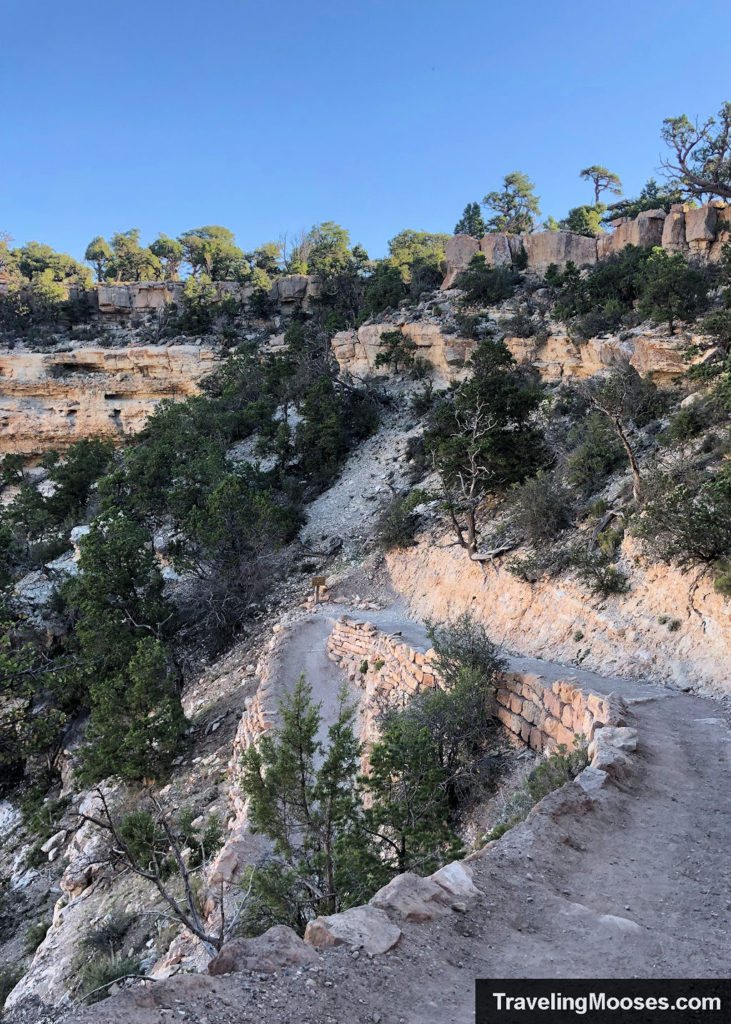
542 713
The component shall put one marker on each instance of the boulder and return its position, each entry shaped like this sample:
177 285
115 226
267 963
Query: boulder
291 289
276 948
412 898
456 879
500 250
365 927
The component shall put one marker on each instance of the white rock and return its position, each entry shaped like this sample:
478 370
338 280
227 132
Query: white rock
364 927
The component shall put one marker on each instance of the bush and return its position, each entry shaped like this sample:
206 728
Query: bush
108 936
687 423
486 285
722 584
541 508
397 348
398 524
533 567
597 453
34 935
596 572
10 975
688 521
99 975
549 775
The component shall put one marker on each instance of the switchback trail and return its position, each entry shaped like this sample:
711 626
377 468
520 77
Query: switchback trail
633 881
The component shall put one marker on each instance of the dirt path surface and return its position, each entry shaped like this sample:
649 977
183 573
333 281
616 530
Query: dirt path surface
633 881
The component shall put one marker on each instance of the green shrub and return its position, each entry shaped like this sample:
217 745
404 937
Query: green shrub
687 423
99 975
550 774
596 572
486 285
541 507
688 521
107 937
397 349
597 453
34 935
549 561
722 583
674 625
398 524
10 975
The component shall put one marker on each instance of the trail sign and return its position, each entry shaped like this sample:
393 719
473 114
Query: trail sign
317 582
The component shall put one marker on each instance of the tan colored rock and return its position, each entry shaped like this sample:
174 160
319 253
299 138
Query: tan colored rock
412 898
276 948
456 879
49 400
673 231
545 247
459 251
367 928
700 224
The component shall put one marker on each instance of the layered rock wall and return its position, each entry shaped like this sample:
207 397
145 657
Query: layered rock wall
624 635
50 400
700 233
555 357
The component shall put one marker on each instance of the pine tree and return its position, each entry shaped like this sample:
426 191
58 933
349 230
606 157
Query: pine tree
471 222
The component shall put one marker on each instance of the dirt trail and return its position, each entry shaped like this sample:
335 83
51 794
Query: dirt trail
634 882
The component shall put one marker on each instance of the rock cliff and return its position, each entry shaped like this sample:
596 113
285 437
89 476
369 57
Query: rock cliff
558 356
695 232
50 400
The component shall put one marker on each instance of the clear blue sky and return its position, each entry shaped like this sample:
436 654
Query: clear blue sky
380 114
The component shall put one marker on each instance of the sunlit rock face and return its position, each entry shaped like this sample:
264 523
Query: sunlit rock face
50 400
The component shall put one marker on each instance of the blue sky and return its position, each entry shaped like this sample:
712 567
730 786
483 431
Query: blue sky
380 115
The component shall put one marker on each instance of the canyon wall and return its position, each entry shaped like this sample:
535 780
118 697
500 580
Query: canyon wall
625 635
49 400
556 357
698 233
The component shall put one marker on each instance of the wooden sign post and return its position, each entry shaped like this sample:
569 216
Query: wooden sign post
317 582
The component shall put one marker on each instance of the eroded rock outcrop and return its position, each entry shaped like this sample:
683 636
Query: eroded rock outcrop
697 232
49 400
556 357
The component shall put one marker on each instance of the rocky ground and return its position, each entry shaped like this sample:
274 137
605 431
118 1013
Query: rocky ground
630 881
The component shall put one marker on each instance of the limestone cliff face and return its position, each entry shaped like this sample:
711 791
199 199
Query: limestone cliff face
558 357
50 400
555 619
699 233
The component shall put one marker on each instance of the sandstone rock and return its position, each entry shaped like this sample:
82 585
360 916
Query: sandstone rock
591 779
700 224
673 231
456 879
412 898
365 927
51 399
276 948
56 840
500 250
459 251
545 247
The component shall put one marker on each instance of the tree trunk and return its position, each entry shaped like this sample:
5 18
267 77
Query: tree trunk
636 479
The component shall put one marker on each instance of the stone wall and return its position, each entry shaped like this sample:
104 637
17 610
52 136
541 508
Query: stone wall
700 233
543 714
